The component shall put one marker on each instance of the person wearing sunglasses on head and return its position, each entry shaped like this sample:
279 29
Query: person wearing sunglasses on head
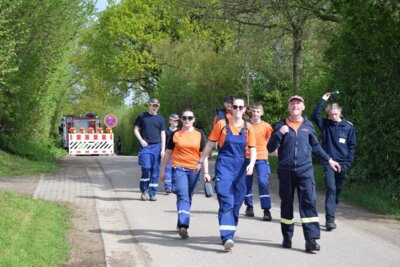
184 147
233 136
173 126
263 131
295 139
150 131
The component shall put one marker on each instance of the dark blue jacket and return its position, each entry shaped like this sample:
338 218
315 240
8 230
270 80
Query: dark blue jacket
338 138
295 149
220 114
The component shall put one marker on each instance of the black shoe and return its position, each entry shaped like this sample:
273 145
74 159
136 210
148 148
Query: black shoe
312 245
267 215
168 191
287 243
249 211
183 233
330 226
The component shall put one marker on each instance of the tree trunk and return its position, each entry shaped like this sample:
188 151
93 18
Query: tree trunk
297 58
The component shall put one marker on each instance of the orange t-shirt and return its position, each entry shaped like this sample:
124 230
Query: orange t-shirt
263 132
294 124
186 148
218 133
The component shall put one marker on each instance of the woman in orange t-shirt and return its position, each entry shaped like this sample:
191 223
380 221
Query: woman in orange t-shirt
185 147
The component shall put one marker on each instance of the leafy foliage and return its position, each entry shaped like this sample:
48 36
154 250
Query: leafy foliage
38 40
365 66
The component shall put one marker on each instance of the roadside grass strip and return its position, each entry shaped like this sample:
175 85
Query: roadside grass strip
12 165
32 232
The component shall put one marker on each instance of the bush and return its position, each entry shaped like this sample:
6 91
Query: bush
43 151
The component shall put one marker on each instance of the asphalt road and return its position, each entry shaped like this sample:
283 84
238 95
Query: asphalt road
142 233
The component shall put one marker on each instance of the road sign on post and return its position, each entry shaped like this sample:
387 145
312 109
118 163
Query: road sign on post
110 120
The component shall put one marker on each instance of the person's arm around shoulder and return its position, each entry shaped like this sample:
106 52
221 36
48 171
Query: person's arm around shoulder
316 117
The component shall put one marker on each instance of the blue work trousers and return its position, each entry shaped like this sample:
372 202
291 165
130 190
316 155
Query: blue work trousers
334 182
149 160
184 182
304 183
263 172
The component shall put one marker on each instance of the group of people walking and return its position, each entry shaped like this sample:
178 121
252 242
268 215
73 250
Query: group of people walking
243 146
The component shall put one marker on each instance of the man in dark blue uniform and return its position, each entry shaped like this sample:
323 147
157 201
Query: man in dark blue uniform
150 131
339 141
295 139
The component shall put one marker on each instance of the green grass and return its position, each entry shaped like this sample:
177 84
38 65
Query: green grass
12 165
32 232
378 200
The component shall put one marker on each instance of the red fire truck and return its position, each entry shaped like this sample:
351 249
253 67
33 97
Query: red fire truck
90 119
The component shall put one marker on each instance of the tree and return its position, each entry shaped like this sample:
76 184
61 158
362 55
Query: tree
364 65
40 39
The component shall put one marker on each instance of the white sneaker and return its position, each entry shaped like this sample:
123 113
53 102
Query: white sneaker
144 196
229 244
183 233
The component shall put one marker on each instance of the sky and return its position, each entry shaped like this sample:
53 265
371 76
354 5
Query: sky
101 5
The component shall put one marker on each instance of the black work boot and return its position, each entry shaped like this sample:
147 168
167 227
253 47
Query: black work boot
312 245
249 211
287 243
330 226
267 215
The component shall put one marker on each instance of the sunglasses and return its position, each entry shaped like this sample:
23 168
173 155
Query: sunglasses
187 118
237 107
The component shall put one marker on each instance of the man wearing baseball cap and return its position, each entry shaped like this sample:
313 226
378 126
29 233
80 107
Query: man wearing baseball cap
173 126
150 131
295 139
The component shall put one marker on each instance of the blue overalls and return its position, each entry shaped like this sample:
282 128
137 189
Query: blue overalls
149 161
184 183
263 173
230 181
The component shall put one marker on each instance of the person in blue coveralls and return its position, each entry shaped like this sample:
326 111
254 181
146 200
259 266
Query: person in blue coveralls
150 131
173 126
232 135
295 139
339 141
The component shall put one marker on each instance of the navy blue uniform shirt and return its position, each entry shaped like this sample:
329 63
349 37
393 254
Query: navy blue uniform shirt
150 127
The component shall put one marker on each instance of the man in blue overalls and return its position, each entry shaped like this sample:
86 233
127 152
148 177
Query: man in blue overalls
150 131
295 139
232 135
